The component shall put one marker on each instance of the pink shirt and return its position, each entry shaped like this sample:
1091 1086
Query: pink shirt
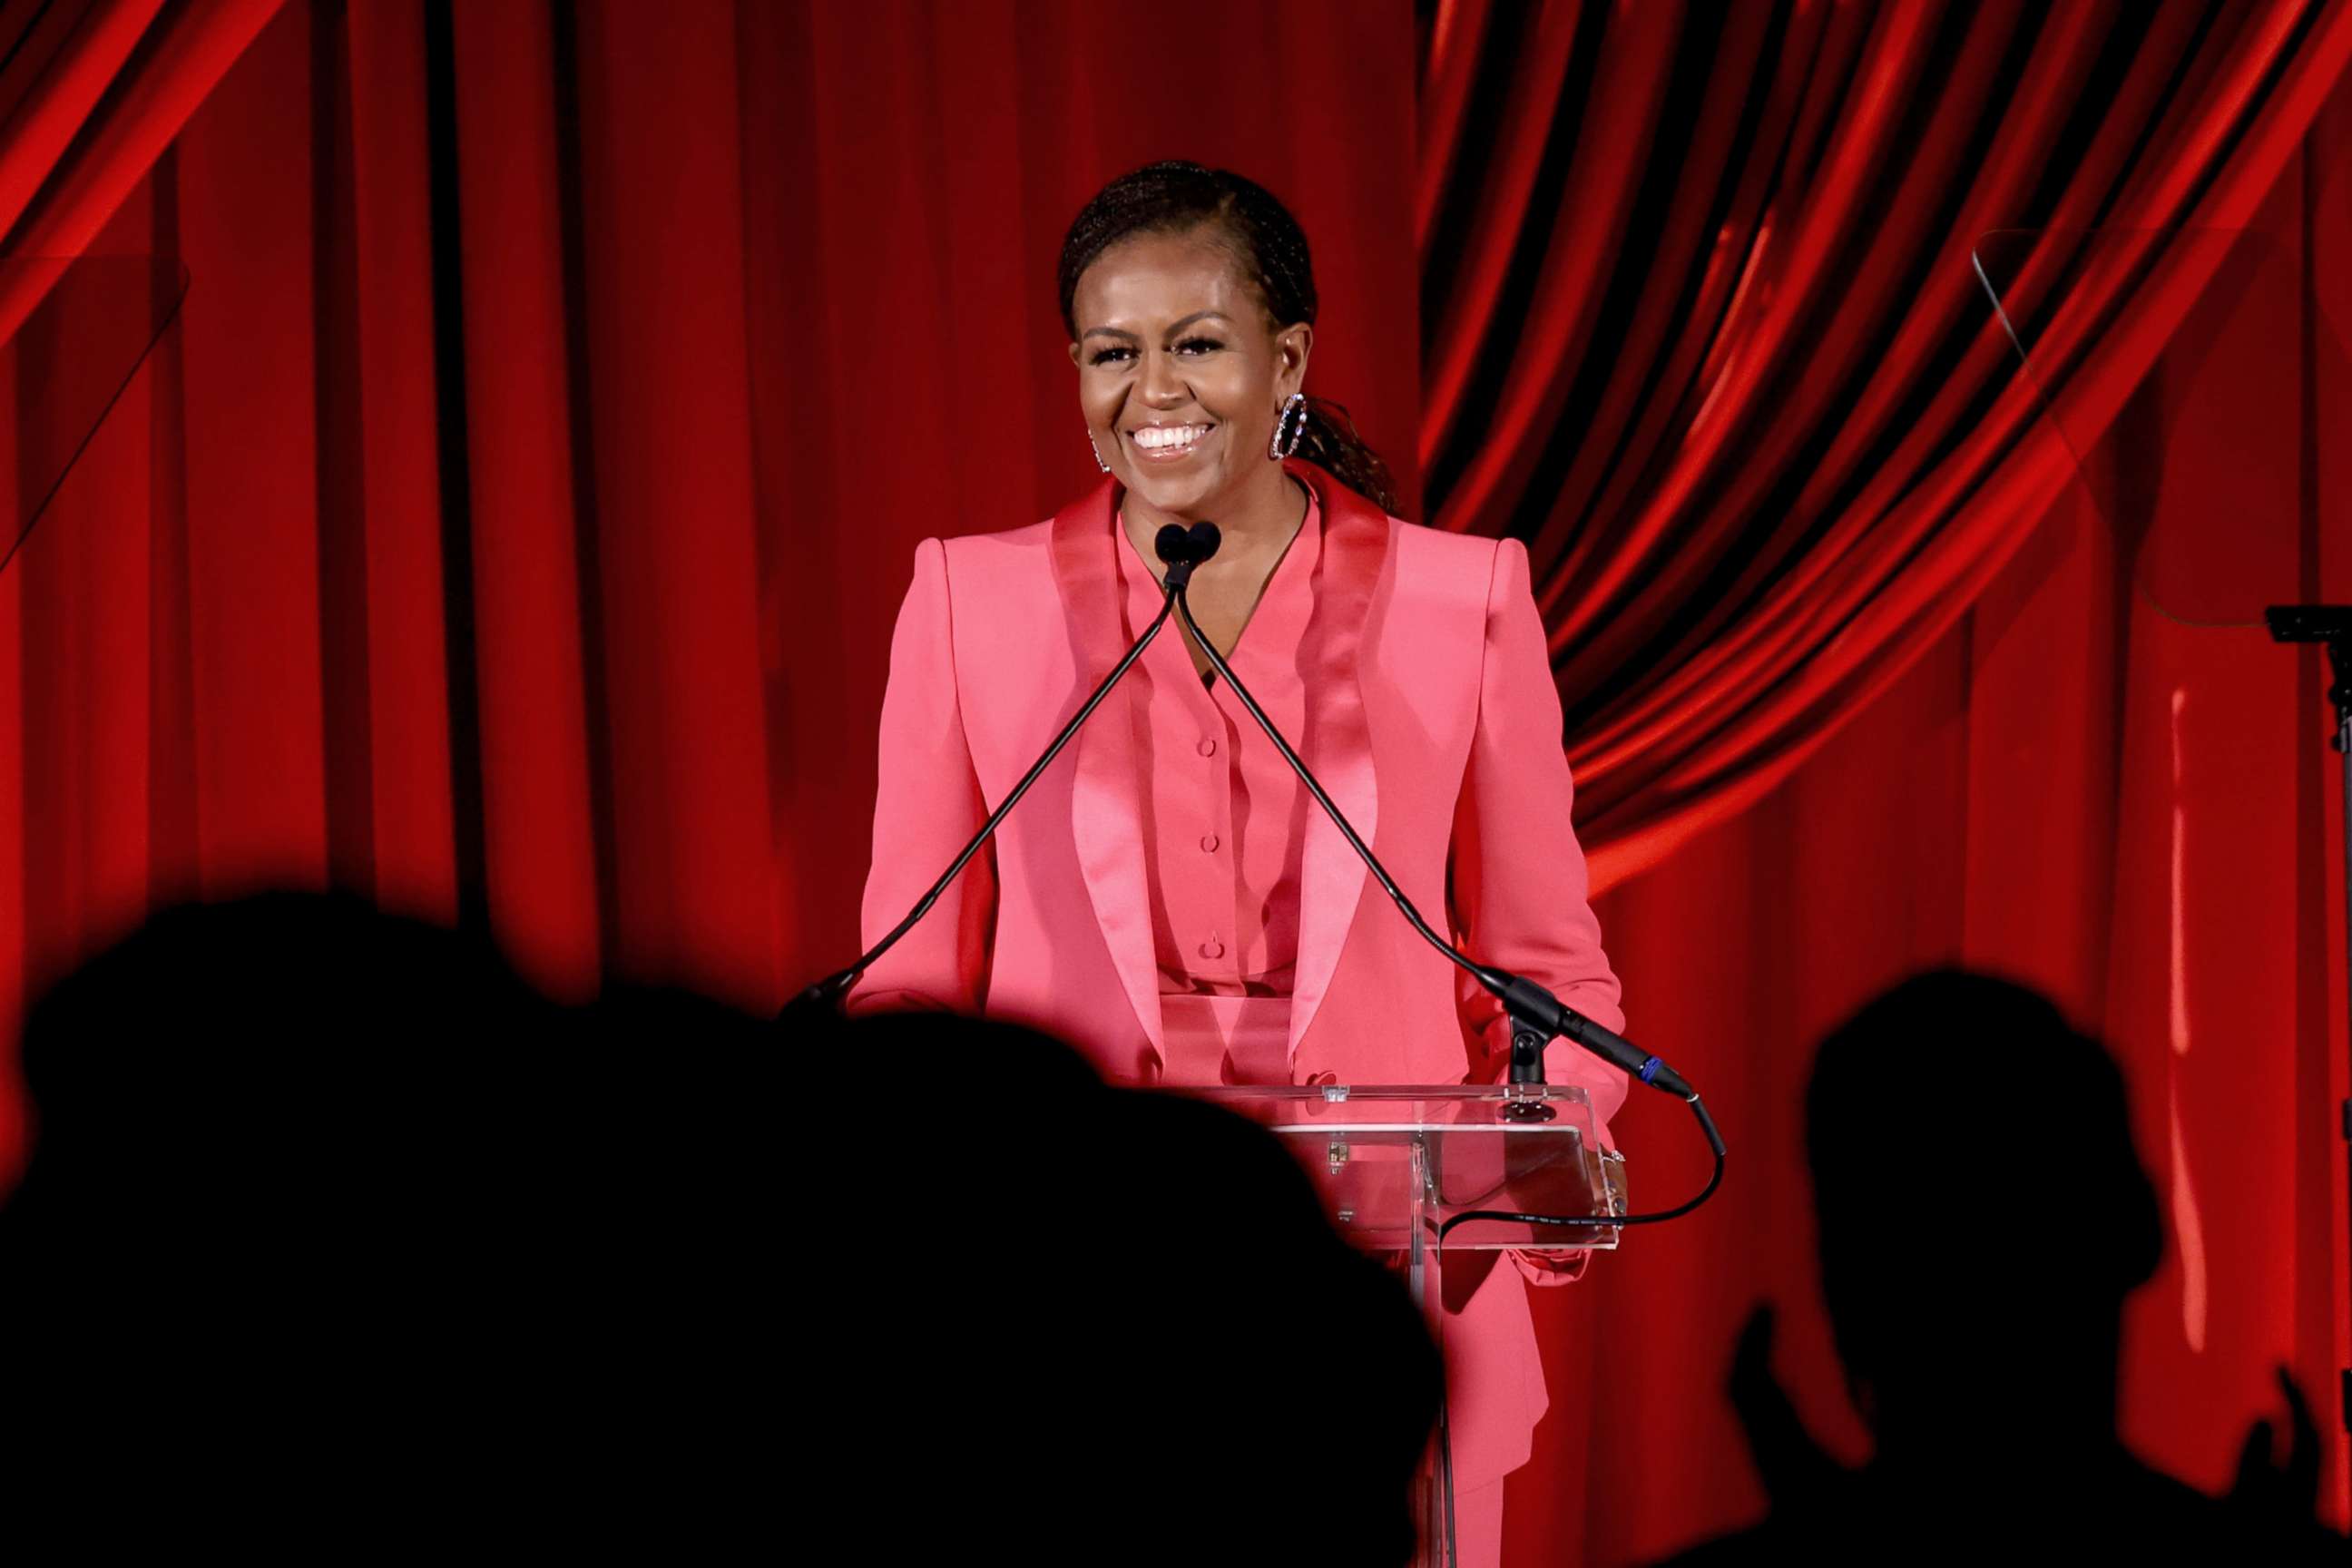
1223 824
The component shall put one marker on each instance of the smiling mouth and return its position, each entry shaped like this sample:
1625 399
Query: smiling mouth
1167 443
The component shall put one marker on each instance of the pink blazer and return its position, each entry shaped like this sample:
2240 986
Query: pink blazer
1432 719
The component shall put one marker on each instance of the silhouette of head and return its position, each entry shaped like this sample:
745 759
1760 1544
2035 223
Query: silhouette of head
1107 1324
333 1225
1982 1212
1982 1217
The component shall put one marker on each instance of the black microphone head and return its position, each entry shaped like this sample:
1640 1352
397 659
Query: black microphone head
1172 544
1204 541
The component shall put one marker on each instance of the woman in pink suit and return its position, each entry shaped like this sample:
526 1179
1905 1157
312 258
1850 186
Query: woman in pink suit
1167 896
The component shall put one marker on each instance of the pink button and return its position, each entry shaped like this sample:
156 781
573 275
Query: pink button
1208 747
1212 947
1208 842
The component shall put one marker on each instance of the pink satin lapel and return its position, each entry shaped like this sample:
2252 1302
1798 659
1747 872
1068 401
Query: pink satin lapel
1338 744
1106 815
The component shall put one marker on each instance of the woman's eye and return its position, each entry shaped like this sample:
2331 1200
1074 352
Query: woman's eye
1117 355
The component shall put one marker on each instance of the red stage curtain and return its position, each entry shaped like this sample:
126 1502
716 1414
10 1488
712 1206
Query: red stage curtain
513 526
558 397
91 91
2072 785
1702 328
1701 325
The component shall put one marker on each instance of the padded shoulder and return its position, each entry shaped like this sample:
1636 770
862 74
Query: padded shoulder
1002 589
1435 572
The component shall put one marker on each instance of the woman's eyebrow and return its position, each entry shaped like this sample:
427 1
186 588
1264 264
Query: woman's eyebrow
1172 331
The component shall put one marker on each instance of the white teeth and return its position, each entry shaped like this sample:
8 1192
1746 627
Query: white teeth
1163 438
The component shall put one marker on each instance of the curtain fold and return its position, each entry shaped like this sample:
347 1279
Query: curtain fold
1726 572
97 89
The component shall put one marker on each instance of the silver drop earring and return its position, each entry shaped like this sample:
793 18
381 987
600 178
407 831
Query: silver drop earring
1292 417
1096 450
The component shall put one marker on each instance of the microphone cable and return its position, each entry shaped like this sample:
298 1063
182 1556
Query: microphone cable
1521 997
826 994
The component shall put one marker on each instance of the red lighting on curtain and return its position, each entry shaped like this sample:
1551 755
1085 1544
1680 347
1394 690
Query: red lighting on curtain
512 524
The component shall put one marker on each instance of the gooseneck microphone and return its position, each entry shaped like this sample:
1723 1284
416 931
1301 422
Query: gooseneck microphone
1530 1005
1537 1015
1182 551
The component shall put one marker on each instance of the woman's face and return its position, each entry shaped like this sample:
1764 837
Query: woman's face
1179 372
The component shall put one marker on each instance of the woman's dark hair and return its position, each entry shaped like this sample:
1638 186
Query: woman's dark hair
1270 248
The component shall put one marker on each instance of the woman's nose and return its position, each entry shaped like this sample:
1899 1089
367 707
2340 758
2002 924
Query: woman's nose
1163 385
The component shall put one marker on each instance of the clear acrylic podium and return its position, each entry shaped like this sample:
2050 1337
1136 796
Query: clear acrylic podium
1394 1166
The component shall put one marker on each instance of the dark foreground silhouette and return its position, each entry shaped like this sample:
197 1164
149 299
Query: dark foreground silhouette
1977 1240
1142 1341
337 1236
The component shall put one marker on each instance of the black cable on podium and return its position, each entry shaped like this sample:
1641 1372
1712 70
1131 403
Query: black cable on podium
1537 1015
